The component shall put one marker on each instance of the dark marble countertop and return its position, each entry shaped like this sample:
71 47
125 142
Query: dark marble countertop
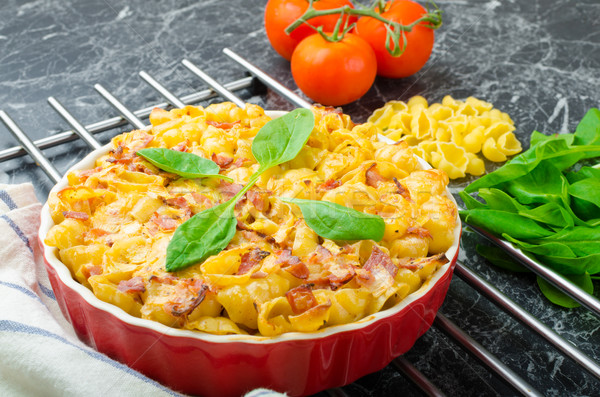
537 60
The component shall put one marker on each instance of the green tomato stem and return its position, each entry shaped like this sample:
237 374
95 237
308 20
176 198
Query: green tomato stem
395 30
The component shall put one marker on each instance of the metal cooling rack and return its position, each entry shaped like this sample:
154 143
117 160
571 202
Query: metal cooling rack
493 363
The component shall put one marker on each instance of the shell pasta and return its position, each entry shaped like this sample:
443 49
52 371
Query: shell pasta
113 224
451 134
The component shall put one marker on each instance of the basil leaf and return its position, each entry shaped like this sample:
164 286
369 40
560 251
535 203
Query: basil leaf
558 297
206 233
187 165
281 139
336 222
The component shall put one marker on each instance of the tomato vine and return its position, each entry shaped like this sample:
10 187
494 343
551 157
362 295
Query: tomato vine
432 19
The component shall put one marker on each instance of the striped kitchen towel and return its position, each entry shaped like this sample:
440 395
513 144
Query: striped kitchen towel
39 352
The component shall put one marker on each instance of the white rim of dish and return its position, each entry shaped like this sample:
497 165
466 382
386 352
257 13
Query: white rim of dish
64 274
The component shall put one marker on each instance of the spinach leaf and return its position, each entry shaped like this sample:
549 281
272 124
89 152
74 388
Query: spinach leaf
281 139
187 165
500 222
543 184
587 190
552 214
500 258
579 265
558 297
549 248
336 222
588 129
210 231
556 151
206 233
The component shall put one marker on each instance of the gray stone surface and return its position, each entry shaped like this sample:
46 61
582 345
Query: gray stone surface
537 60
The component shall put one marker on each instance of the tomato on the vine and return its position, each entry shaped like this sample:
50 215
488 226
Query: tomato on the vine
334 73
279 14
419 41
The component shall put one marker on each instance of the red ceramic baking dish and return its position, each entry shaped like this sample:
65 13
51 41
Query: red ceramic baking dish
230 365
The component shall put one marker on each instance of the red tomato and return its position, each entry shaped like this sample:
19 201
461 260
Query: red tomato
279 14
336 73
419 41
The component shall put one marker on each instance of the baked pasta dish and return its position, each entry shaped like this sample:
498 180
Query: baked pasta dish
114 224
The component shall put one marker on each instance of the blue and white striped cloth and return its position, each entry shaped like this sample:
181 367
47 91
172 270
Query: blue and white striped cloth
39 352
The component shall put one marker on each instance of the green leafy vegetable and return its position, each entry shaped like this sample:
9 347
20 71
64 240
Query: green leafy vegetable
500 258
336 222
206 233
187 165
281 139
541 205
558 297
210 231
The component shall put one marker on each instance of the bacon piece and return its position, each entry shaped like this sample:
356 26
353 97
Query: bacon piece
126 158
166 279
251 259
88 173
90 270
330 184
186 299
240 161
258 274
82 216
135 284
402 190
340 274
418 263
222 160
260 199
142 140
301 299
228 190
202 199
320 255
419 231
285 258
380 258
298 270
164 222
182 146
117 152
180 202
223 126
96 232
372 177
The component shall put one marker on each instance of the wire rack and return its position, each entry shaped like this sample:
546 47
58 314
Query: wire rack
226 91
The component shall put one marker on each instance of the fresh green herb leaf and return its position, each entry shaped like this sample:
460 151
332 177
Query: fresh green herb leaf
543 184
558 297
542 196
187 165
281 139
588 129
500 258
499 222
552 214
556 151
210 231
336 222
206 233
